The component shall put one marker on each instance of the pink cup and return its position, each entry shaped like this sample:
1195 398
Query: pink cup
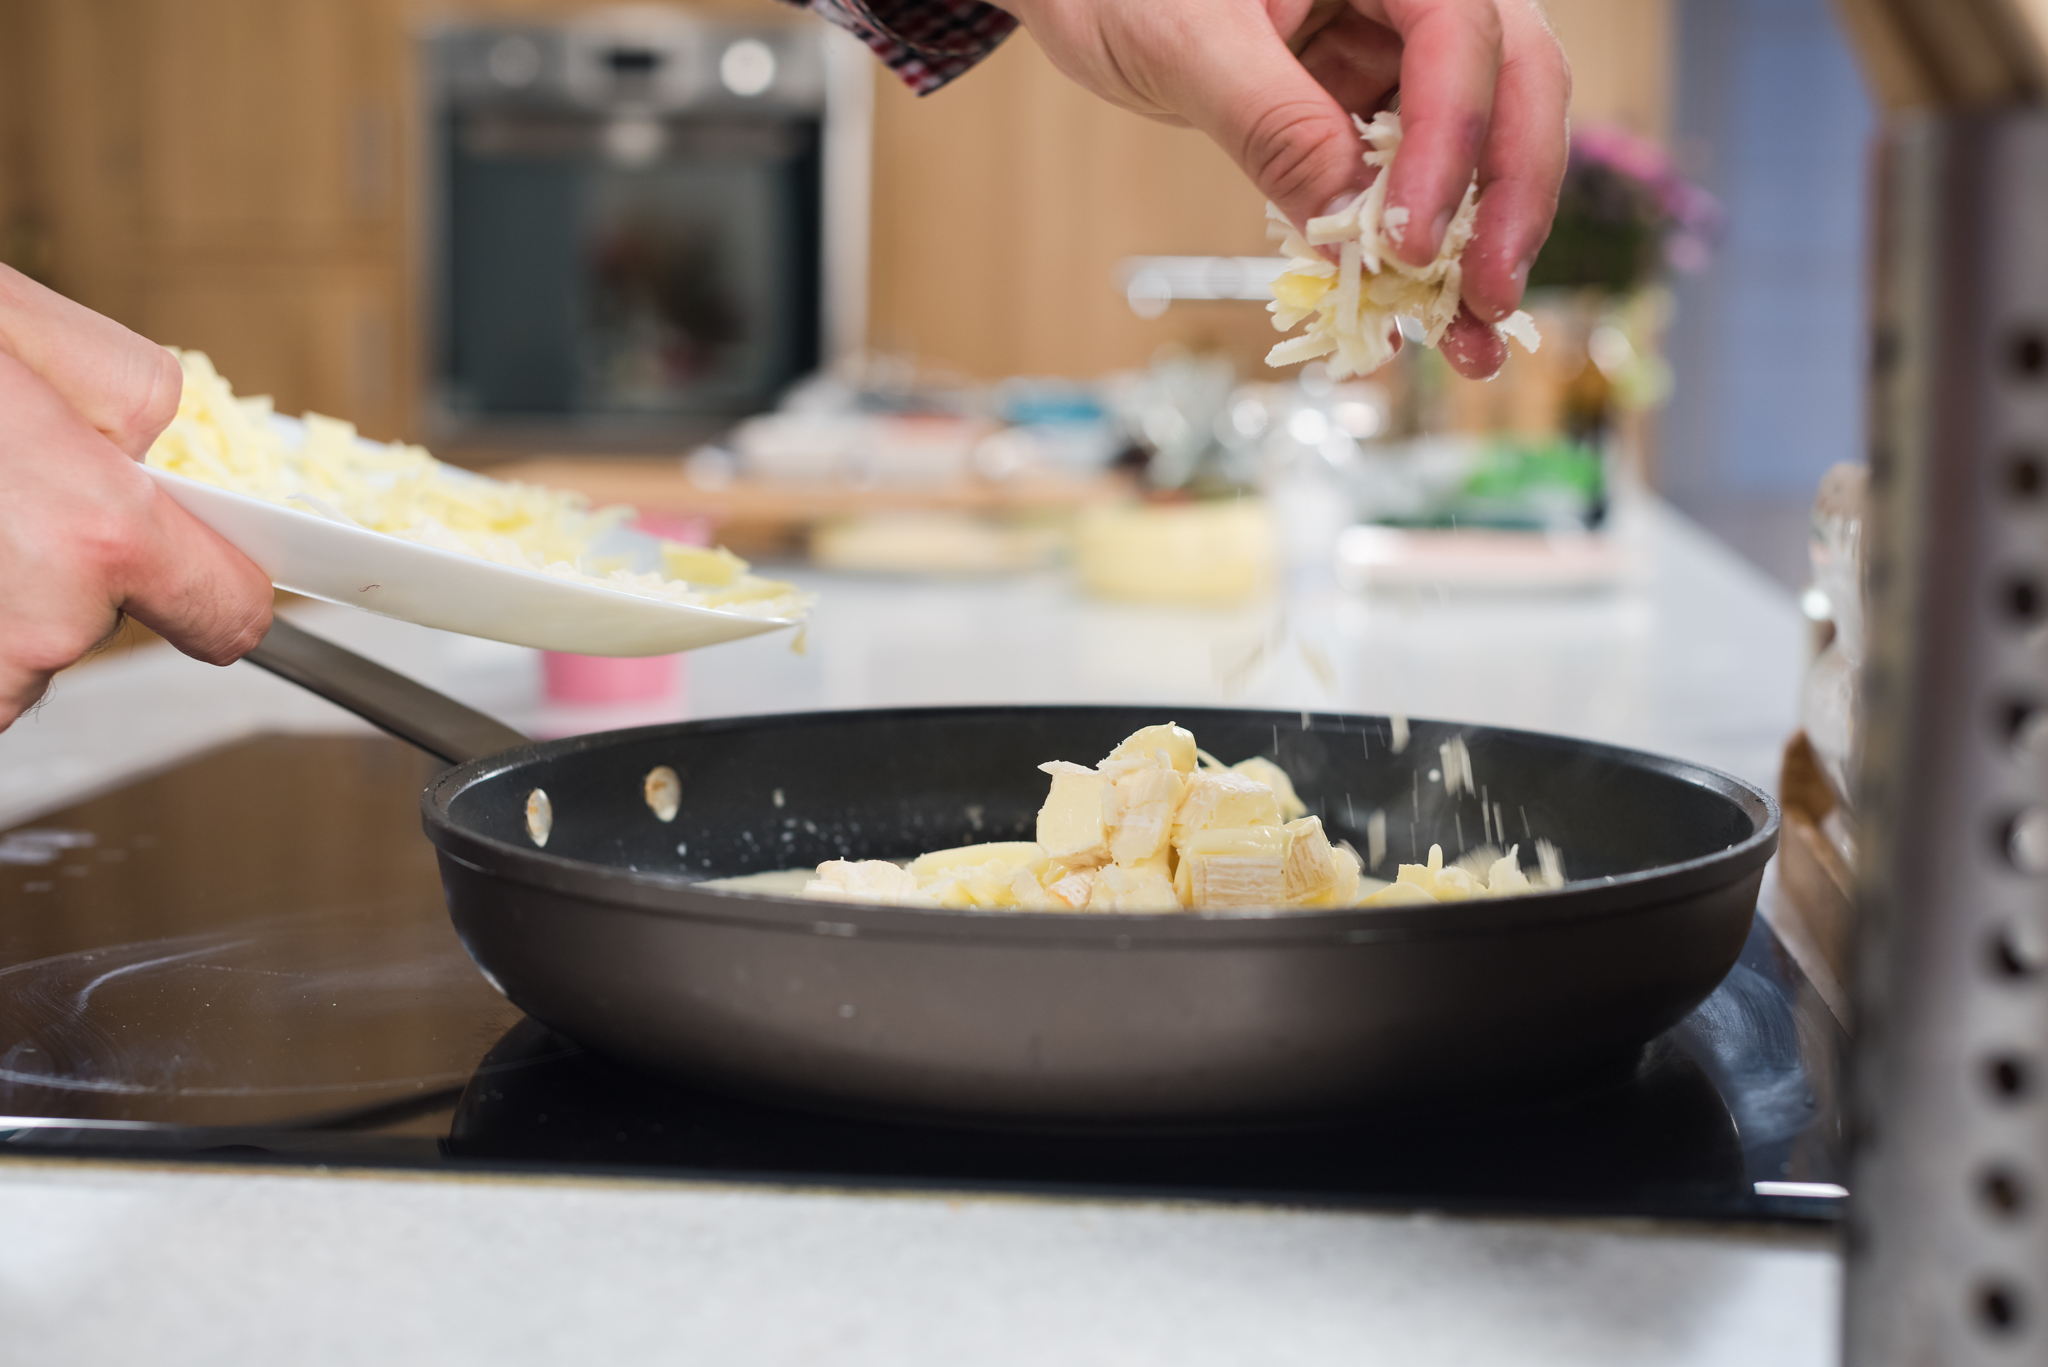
605 679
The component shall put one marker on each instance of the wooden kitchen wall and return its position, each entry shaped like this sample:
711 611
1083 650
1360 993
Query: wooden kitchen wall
1004 202
236 175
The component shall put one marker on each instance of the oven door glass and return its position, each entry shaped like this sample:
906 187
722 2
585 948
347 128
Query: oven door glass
626 268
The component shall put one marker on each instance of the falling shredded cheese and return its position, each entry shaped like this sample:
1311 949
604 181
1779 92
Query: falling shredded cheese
1485 872
403 491
1355 301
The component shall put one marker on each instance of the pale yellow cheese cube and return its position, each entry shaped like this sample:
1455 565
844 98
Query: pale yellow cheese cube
1140 887
1273 776
1506 878
1343 891
1070 824
1241 868
1311 866
1176 743
1451 884
1224 800
1010 853
1140 809
1399 895
867 880
1070 891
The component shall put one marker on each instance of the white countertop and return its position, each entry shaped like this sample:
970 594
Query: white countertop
1698 657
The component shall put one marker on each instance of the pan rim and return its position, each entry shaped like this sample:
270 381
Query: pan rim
664 895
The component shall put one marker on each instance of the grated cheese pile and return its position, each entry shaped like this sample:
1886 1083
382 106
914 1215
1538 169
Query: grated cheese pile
403 491
1486 872
1159 826
1355 301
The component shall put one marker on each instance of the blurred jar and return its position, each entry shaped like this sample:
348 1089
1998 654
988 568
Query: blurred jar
1211 554
1303 445
1830 703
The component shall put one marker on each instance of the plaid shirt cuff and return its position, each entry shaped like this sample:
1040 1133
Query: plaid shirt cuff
925 42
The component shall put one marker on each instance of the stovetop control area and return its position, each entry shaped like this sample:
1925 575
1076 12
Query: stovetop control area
246 958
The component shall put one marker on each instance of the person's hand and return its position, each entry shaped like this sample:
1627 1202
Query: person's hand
1483 87
84 534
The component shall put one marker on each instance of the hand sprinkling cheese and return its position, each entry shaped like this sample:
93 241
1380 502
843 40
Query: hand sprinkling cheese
1355 302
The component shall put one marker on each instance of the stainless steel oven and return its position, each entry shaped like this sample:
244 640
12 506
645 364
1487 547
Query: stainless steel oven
644 223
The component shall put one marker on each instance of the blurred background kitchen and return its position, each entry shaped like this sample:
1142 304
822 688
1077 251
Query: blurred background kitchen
580 243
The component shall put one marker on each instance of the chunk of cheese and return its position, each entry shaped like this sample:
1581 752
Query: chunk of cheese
1137 887
1139 811
1151 743
1262 770
1344 891
1070 891
1009 853
1070 824
1225 799
868 880
1311 865
1234 868
1399 895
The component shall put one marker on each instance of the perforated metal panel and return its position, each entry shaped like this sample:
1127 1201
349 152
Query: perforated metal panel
1948 1231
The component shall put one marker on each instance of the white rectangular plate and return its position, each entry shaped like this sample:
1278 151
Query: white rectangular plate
341 563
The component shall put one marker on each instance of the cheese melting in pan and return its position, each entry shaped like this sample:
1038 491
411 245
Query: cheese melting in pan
1161 826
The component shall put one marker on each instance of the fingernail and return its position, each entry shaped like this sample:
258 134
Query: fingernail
1437 231
1521 274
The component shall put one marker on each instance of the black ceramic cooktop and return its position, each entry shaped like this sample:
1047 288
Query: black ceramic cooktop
246 958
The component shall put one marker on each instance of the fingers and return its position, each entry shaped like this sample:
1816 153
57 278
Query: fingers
122 384
1244 89
1522 165
1473 348
1451 54
198 592
84 534
1357 60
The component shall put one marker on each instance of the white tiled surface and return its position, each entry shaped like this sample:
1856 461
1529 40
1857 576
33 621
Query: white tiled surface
1699 657
102 1265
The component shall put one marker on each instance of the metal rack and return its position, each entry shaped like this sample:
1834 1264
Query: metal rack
1948 1221
1948 1244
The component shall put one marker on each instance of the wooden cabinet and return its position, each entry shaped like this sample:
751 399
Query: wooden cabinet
242 176
1004 202
227 175
271 126
327 336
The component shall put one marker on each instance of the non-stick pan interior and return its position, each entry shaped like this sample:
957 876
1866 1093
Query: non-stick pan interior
781 792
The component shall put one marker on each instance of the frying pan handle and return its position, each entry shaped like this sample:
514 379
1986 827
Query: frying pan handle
387 700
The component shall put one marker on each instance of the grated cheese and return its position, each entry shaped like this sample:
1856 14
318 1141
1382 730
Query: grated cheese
402 491
1352 305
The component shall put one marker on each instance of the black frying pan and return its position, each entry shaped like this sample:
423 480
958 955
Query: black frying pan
1050 1019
